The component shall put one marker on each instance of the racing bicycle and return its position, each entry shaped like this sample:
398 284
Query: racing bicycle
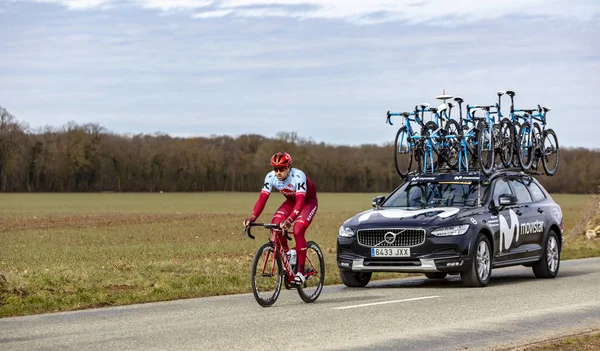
272 268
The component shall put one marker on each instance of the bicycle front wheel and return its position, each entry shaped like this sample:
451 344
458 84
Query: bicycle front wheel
550 152
403 152
266 275
314 271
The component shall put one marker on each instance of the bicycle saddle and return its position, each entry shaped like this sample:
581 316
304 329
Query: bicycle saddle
501 92
459 99
510 93
424 105
546 109
442 107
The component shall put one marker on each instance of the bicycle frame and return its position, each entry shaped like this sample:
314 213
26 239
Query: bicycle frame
277 235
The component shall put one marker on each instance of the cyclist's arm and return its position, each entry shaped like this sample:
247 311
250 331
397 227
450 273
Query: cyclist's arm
298 207
264 196
301 186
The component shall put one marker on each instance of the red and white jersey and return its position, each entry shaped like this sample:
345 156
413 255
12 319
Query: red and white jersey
296 183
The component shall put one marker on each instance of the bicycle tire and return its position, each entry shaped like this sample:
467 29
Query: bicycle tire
486 143
435 160
268 250
506 147
470 160
537 146
547 153
452 128
526 147
403 154
516 145
310 292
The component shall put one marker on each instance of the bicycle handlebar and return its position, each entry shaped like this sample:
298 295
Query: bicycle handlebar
266 226
396 114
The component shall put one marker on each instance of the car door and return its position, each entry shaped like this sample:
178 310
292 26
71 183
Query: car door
504 223
531 222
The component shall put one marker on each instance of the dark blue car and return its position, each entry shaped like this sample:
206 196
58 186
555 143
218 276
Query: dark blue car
465 224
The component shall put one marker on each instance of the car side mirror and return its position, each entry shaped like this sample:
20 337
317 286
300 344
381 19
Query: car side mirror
506 200
377 201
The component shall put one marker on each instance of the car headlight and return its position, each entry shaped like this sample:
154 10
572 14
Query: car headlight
453 230
345 232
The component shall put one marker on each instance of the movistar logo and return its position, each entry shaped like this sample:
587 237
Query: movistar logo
510 233
532 228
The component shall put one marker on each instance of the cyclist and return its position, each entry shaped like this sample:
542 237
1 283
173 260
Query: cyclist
300 204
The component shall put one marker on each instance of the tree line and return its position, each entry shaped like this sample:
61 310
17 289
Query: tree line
88 158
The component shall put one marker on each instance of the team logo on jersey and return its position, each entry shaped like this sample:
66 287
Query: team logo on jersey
510 233
291 185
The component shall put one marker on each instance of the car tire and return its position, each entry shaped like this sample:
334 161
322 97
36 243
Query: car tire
436 275
549 263
480 270
355 279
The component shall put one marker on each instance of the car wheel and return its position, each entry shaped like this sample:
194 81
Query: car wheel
355 279
549 263
480 271
436 275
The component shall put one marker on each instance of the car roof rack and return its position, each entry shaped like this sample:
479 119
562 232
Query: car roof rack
452 175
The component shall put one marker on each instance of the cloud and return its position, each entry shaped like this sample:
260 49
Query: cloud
212 14
170 5
76 4
360 11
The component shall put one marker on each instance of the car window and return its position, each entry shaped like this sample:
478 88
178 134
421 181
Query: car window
422 195
536 193
521 191
500 188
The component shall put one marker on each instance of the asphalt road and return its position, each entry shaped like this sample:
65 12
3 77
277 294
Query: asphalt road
401 314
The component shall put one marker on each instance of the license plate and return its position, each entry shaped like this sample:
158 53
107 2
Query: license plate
390 252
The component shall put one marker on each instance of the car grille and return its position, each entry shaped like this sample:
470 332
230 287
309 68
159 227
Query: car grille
376 237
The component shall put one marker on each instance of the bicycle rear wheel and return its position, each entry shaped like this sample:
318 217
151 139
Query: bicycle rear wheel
266 275
550 152
506 147
526 146
537 148
452 143
485 150
403 152
314 270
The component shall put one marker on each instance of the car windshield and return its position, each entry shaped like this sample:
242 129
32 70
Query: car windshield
434 194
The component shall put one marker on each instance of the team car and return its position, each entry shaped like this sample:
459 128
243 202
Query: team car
448 223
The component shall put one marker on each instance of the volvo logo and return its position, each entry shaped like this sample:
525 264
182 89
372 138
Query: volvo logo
390 237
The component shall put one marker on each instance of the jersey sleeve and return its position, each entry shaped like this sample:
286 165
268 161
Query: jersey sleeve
268 183
264 195
300 181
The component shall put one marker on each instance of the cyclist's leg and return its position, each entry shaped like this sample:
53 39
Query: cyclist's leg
307 214
280 215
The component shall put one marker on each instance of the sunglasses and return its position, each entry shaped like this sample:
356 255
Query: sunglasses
279 169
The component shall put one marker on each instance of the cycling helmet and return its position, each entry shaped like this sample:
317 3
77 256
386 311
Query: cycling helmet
281 159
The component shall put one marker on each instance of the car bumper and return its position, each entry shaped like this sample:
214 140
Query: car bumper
435 255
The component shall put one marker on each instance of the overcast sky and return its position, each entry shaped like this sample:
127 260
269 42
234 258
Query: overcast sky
326 69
